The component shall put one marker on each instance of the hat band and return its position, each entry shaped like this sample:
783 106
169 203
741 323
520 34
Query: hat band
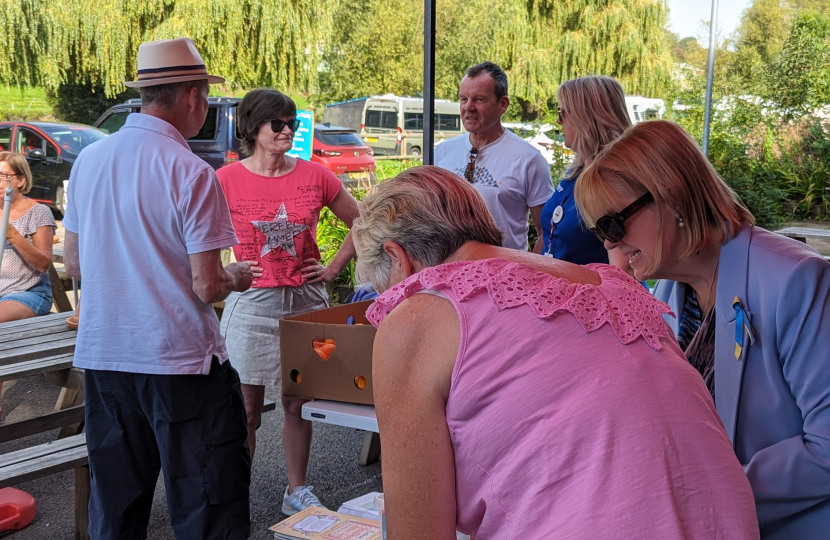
171 71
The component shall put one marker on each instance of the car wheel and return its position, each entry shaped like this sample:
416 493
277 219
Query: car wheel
414 151
60 200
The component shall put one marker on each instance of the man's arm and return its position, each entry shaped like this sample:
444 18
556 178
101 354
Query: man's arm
536 216
71 259
213 283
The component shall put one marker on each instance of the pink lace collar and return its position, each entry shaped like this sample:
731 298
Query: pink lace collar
619 301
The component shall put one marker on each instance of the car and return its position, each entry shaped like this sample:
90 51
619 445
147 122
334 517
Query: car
217 142
343 152
50 148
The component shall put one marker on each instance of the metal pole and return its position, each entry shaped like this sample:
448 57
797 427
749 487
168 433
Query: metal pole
429 82
710 75
7 210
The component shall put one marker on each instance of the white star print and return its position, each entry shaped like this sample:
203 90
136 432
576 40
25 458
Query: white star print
279 233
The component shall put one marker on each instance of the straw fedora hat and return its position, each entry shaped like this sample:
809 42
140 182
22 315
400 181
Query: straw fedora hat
170 61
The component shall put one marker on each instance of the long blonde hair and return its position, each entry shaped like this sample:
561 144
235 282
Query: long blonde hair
658 157
596 107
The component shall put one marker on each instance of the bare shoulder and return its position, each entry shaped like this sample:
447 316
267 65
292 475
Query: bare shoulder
418 341
559 269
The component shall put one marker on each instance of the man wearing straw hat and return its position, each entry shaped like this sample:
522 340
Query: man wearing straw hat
145 222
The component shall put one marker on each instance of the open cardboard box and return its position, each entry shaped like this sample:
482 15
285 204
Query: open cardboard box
348 367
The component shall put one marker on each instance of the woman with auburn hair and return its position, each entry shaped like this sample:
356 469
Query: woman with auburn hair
753 312
487 431
592 114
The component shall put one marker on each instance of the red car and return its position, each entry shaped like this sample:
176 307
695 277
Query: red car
343 152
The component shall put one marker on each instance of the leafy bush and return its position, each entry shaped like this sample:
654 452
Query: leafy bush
84 103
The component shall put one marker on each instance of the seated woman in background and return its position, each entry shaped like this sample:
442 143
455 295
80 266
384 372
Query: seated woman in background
592 113
525 397
753 312
25 290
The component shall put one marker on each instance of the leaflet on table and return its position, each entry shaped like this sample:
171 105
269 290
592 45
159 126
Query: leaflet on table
316 523
363 506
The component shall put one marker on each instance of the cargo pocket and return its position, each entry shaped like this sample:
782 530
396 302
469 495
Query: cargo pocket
226 470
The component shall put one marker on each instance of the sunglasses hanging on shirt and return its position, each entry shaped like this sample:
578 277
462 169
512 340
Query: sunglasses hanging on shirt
469 172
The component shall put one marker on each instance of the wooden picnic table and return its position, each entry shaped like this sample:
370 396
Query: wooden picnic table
35 338
804 233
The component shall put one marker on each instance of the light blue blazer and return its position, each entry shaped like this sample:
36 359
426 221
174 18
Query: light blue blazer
774 399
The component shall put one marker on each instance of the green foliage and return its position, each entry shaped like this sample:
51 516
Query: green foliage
331 232
250 42
377 47
84 104
800 80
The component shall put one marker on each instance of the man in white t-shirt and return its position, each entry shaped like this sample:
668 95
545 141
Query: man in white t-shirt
512 176
145 222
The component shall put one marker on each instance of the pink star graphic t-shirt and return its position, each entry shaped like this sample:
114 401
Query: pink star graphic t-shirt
275 218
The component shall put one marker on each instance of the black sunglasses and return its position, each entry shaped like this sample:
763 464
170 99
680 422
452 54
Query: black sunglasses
278 125
610 227
469 172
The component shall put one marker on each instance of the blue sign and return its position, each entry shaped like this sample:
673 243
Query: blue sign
304 136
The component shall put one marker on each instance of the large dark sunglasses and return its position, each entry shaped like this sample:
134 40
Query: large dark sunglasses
278 125
610 227
469 172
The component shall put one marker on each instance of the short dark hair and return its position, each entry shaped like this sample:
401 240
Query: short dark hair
258 107
498 74
164 96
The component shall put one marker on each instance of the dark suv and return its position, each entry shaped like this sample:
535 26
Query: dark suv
216 142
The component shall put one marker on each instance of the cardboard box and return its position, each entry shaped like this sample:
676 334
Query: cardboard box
339 377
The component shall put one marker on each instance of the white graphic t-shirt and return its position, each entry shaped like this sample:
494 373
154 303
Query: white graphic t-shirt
511 176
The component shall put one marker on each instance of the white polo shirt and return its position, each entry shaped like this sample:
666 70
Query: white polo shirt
141 202
511 176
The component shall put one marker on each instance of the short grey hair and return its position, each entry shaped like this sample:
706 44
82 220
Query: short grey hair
497 73
428 211
165 96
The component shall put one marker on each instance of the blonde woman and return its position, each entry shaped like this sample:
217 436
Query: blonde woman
592 114
25 290
753 312
606 433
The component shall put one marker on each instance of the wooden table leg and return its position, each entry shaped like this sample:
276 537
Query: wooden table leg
58 292
82 489
370 452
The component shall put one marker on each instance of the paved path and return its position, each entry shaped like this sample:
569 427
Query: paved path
333 470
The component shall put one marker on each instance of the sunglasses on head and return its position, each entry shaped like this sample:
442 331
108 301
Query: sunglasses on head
610 226
278 125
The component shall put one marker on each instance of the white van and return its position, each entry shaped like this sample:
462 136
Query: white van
385 121
642 108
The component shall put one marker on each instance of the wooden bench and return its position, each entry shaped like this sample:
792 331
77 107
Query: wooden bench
34 338
50 458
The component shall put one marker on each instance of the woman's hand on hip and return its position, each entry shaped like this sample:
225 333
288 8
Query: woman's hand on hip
256 270
314 272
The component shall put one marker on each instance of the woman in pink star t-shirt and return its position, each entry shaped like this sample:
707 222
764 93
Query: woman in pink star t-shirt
275 202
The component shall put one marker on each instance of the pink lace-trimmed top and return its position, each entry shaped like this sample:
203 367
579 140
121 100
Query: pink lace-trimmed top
574 414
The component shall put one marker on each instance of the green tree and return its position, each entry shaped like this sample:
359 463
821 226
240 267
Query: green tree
800 80
250 42
377 46
760 35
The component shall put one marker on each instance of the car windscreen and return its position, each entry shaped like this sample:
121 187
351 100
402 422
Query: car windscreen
208 131
339 138
73 139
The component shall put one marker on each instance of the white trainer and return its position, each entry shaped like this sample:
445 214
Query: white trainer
298 501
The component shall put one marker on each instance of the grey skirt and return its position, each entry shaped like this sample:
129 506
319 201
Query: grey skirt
251 327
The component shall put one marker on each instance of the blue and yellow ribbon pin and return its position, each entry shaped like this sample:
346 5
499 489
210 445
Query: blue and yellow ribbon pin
741 326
